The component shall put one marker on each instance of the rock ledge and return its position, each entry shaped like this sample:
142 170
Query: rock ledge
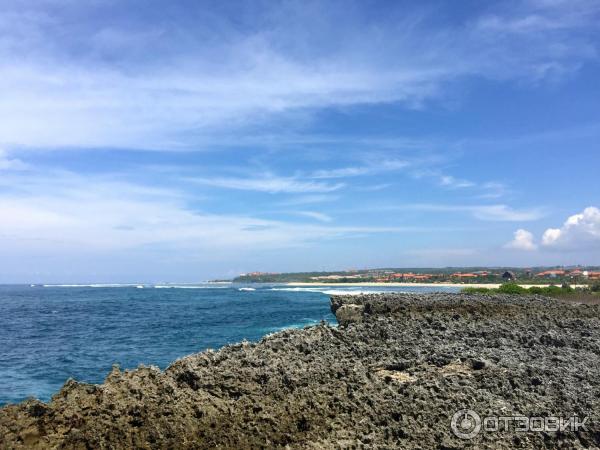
391 376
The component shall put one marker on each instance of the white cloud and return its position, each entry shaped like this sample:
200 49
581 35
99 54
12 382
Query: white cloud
93 83
315 215
342 172
542 16
7 163
493 190
506 213
308 199
65 214
580 231
269 183
523 240
492 213
551 235
374 187
486 190
501 213
384 165
455 183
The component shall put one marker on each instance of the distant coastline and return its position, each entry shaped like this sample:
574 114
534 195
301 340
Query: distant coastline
376 284
449 276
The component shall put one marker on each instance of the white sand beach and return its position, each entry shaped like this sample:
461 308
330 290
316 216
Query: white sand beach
376 284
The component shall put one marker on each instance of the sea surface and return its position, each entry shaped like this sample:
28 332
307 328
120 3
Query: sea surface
50 333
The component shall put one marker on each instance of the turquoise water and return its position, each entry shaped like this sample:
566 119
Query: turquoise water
51 333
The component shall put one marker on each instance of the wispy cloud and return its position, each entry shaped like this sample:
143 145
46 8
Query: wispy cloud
7 163
211 70
63 213
455 183
493 190
321 217
341 173
374 187
505 213
269 183
374 167
542 16
497 213
485 189
308 199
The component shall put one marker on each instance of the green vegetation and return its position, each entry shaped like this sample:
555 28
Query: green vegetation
565 292
477 290
513 288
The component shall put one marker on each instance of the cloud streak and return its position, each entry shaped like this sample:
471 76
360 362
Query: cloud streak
497 213
269 183
380 166
7 163
66 214
93 85
321 217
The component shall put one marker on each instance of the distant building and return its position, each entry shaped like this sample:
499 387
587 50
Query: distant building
464 275
414 276
509 276
422 277
551 273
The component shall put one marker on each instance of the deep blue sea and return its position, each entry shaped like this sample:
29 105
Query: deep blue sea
51 333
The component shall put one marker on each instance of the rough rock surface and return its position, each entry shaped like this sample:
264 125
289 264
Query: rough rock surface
391 377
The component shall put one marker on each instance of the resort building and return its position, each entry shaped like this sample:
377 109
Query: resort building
509 276
551 273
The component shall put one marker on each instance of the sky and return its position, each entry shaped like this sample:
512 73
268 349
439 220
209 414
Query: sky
183 140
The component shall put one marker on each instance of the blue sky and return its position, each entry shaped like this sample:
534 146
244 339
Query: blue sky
183 140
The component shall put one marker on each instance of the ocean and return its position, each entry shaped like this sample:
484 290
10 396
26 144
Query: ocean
51 333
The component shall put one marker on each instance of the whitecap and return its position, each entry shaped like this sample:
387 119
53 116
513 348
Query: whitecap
113 285
297 289
328 290
173 286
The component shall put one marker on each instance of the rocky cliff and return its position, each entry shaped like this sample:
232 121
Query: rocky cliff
391 376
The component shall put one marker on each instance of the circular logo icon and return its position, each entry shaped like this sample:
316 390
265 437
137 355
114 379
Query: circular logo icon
466 424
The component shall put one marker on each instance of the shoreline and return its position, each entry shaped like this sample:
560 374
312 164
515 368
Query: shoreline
364 381
399 284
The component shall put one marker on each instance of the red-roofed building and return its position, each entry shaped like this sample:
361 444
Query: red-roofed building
551 273
422 277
